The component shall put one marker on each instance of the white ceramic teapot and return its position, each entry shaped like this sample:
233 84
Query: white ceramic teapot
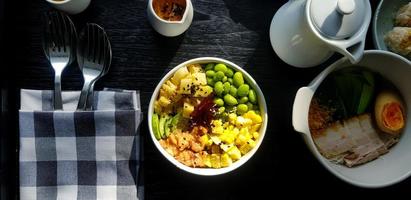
305 33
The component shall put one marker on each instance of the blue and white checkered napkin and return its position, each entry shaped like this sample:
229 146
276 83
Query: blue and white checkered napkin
80 155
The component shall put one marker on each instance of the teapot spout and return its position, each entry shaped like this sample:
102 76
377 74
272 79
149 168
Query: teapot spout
355 52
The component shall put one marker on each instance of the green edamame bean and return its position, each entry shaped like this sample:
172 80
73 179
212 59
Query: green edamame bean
230 80
221 109
252 96
227 87
238 79
219 102
210 82
241 109
220 68
209 66
225 79
233 91
219 76
210 73
243 90
250 106
229 73
243 100
219 88
230 100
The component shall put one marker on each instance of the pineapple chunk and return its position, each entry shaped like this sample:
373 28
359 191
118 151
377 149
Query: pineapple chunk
187 109
169 89
185 86
226 147
207 161
203 91
204 140
215 161
245 148
199 78
215 139
163 101
234 153
179 74
243 137
225 160
194 68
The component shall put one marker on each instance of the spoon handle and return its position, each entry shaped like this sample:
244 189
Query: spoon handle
58 102
83 96
90 97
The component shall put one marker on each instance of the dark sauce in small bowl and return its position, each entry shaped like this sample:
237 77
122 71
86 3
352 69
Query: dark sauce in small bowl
170 10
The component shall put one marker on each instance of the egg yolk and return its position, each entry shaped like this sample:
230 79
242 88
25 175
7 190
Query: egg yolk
392 116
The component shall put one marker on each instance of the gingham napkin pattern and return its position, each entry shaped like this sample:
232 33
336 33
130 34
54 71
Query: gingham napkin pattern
80 155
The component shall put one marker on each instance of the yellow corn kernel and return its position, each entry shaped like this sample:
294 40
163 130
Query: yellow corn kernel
232 118
234 153
247 122
257 119
215 161
256 135
226 124
218 130
249 114
240 121
217 123
225 160
255 128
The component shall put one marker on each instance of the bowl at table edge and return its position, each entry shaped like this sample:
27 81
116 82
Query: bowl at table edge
383 20
244 158
389 168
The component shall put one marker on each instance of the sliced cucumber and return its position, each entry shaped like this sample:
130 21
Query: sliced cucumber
155 126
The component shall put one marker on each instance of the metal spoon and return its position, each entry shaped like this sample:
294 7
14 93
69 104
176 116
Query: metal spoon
92 52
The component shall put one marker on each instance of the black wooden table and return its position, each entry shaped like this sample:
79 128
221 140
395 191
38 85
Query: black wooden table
237 30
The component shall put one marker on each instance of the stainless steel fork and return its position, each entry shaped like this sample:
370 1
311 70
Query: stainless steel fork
59 40
92 53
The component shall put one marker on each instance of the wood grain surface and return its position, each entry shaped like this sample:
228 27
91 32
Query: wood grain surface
236 30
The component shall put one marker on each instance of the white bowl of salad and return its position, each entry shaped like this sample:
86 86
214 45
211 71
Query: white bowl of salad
207 116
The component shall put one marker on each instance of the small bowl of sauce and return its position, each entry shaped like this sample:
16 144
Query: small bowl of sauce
170 17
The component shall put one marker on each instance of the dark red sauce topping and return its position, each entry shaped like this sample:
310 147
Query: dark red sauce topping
204 113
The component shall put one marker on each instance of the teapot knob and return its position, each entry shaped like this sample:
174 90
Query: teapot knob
346 7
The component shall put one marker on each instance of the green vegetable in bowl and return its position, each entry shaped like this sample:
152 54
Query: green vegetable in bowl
155 126
238 79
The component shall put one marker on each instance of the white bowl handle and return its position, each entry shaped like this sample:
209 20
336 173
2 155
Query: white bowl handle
301 107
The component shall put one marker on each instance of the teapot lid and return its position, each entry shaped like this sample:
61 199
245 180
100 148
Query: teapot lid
338 19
